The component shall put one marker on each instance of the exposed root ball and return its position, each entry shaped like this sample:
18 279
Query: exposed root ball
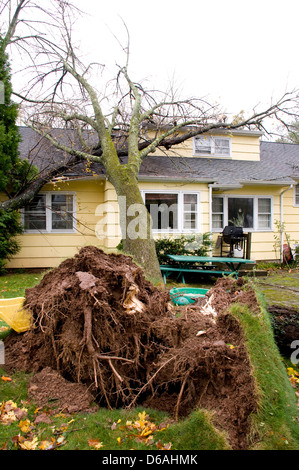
95 311
100 323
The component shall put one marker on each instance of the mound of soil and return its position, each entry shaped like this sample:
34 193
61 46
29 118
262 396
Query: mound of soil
100 324
50 390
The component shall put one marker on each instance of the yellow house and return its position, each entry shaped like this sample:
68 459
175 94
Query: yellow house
203 185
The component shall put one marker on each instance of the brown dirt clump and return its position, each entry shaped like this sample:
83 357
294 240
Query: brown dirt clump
92 318
50 390
99 324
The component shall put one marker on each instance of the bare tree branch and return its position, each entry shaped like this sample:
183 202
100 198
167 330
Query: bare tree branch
13 23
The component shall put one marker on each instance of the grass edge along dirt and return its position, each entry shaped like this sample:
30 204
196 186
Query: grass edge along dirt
275 424
107 427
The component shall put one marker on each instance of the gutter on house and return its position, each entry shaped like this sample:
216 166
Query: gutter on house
172 179
266 182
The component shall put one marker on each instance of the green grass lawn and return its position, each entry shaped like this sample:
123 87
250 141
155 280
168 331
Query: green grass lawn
274 426
281 287
14 284
137 429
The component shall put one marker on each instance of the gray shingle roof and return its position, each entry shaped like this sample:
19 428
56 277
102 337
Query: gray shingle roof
279 164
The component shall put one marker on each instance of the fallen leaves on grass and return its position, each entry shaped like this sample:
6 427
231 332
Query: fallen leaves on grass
25 425
26 443
95 443
294 376
294 379
53 444
10 412
6 379
142 430
29 436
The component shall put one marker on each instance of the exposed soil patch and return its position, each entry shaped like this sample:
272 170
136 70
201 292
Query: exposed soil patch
285 322
50 390
101 326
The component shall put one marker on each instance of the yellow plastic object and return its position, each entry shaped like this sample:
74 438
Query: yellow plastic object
13 313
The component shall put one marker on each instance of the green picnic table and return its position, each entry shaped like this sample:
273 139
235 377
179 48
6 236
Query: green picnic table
198 264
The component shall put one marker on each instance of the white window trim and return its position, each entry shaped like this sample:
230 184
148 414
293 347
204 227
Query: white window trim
213 154
255 211
296 189
48 195
180 194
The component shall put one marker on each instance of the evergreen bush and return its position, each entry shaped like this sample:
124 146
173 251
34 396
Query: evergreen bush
197 245
13 171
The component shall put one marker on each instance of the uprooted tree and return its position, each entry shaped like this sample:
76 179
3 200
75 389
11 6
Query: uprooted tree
98 322
119 118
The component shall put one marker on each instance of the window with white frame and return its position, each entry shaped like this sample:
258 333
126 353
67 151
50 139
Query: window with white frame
218 213
173 211
296 195
50 212
212 146
250 212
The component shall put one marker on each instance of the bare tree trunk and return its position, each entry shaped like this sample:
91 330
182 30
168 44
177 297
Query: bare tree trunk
135 224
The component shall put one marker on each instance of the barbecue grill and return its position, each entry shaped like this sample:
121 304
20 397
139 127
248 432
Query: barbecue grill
234 237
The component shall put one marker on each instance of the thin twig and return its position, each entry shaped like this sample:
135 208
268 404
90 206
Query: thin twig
115 371
150 381
116 358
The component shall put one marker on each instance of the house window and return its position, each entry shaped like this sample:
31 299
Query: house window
264 213
296 195
240 211
62 211
217 213
251 213
50 212
35 214
212 146
163 209
190 211
173 211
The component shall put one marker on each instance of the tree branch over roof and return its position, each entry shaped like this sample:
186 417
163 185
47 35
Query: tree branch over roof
107 118
138 122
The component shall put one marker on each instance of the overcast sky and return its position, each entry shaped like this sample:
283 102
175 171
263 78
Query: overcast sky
239 53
